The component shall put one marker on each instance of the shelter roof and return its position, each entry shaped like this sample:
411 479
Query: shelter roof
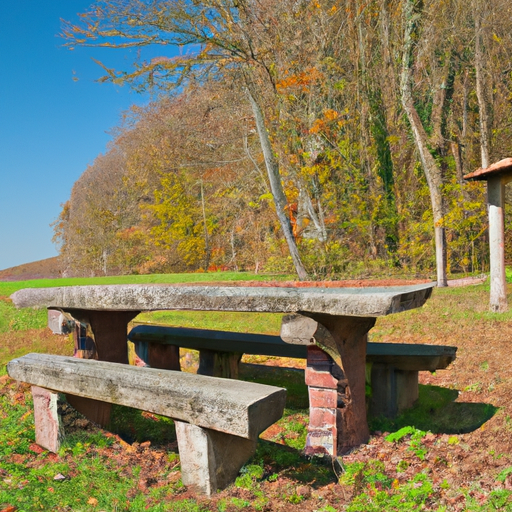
503 168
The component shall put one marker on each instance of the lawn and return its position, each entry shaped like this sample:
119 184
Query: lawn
452 451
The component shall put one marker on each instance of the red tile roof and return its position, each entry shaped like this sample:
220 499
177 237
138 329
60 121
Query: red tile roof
502 167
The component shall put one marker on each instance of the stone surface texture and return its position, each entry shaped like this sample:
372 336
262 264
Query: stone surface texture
366 302
239 408
46 418
336 316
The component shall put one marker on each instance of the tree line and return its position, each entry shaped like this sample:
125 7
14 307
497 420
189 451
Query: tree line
325 137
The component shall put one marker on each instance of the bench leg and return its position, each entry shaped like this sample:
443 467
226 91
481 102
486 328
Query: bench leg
393 391
407 389
219 364
46 419
210 460
156 355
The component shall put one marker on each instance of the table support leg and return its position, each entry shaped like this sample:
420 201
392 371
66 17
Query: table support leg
335 375
219 364
109 335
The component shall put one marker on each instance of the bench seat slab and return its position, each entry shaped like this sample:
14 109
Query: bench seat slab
239 408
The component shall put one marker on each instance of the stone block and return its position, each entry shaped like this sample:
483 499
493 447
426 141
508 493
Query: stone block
59 323
322 418
210 460
321 442
316 355
46 419
320 379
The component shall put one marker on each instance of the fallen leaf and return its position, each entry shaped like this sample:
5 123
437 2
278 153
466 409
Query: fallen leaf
92 501
35 448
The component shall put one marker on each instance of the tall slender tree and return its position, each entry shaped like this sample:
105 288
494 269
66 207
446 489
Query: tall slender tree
222 37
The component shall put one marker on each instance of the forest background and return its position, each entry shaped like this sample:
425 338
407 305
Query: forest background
326 137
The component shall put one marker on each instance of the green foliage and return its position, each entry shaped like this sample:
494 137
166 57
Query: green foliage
414 437
410 496
13 320
504 474
249 474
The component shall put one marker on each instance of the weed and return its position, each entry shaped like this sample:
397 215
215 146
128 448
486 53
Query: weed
504 474
249 474
240 503
402 466
475 387
411 496
294 498
499 499
414 435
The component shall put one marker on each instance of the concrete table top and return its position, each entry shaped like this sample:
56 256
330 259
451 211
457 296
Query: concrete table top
362 302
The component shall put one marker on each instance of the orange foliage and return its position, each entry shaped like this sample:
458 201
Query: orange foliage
302 80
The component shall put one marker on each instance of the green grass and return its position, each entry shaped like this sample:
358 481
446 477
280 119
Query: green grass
97 480
261 323
437 411
7 288
11 319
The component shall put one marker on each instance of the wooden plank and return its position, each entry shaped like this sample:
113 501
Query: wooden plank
239 408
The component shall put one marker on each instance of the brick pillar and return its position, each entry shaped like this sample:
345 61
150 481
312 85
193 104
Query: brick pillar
322 378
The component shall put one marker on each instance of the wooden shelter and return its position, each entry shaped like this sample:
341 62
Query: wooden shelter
497 176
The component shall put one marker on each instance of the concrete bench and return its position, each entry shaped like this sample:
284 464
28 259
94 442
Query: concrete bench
217 423
392 367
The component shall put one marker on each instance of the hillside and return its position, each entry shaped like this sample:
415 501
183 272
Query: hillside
49 268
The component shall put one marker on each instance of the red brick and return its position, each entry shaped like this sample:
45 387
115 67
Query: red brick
323 397
317 355
322 418
320 379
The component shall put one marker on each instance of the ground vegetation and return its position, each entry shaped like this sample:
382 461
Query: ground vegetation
451 452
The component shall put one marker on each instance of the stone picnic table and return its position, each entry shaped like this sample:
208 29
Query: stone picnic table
333 321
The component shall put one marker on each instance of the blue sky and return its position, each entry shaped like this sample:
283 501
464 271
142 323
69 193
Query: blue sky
51 126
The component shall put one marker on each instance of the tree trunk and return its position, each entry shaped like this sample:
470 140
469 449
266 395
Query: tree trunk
207 250
482 106
430 168
277 188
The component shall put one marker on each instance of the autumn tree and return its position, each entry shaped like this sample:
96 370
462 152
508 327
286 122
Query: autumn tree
222 37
